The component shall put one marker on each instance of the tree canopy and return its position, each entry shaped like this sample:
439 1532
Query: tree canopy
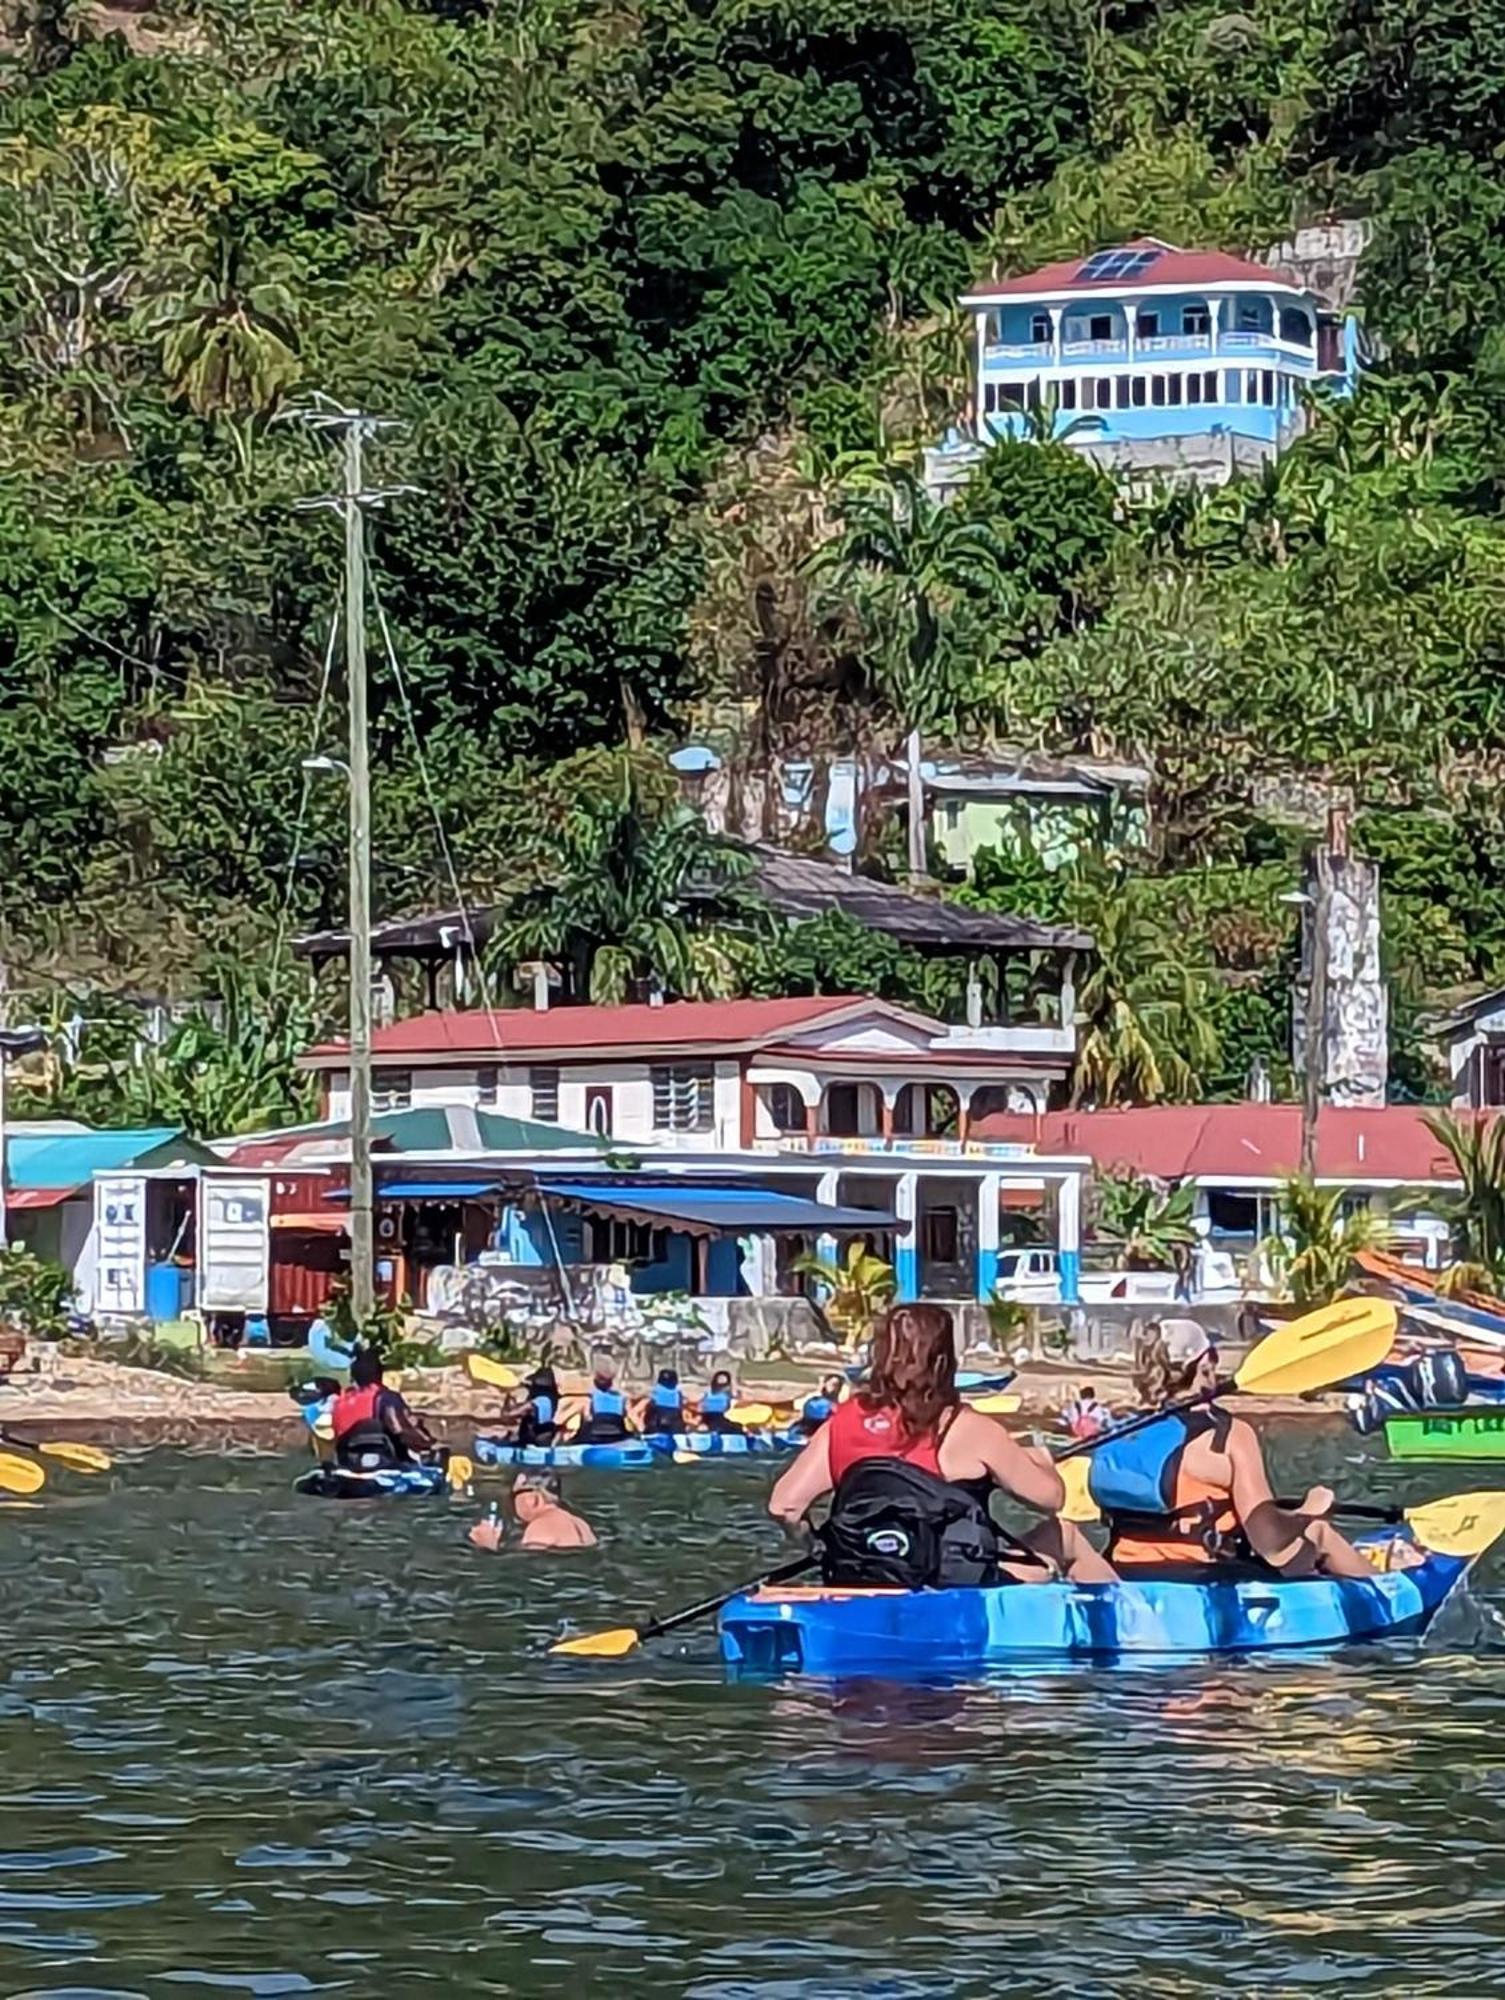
656 297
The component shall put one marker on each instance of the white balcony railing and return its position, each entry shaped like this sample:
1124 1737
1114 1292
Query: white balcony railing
1174 343
1115 349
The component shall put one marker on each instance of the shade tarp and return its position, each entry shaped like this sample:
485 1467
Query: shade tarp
52 1197
718 1211
423 1191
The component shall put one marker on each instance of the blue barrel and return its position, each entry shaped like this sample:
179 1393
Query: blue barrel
164 1292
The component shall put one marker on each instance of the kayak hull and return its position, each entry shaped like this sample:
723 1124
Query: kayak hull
632 1454
839 1634
392 1482
1447 1434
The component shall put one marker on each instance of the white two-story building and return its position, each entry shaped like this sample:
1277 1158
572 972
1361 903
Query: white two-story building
854 1104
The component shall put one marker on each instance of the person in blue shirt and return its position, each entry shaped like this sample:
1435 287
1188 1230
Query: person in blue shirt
821 1407
538 1419
664 1411
605 1419
715 1404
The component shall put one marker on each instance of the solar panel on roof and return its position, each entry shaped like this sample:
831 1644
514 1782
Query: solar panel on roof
1105 264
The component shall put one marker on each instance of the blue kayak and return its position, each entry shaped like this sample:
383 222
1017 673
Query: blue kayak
336 1482
633 1453
924 1634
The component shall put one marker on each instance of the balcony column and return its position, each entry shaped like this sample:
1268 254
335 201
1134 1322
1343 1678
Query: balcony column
906 1240
1069 1237
979 422
1131 326
1215 315
1068 992
828 1194
965 1092
888 1094
1057 316
989 1191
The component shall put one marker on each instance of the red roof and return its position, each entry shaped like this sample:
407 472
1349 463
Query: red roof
1171 267
605 1031
1237 1142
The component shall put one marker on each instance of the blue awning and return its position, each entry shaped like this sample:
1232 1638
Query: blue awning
423 1191
718 1211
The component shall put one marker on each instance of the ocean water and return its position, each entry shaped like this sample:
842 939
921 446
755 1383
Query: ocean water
255 1744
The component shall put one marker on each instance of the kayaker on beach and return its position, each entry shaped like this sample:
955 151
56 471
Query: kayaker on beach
1192 1489
537 1420
821 1407
1085 1416
912 1470
715 1404
605 1419
372 1424
663 1411
546 1522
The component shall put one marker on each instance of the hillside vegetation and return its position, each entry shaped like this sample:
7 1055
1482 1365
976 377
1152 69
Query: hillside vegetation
656 290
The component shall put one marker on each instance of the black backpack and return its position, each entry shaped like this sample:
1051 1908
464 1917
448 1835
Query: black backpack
895 1526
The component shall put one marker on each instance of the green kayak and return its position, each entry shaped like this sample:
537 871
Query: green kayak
1447 1434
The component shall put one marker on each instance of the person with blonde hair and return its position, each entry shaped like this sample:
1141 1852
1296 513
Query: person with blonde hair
912 1469
1191 1490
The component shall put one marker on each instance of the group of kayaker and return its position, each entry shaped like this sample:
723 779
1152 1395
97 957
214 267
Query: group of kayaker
911 1471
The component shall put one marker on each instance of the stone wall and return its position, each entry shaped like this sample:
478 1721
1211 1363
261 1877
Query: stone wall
1355 1027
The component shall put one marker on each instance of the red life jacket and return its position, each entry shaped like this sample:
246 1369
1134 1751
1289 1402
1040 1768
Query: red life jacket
858 1430
356 1409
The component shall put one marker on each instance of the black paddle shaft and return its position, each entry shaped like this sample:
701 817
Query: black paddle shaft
658 1626
1143 1421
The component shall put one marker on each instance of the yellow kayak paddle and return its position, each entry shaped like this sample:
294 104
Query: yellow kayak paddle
20 1475
494 1374
79 1457
624 1638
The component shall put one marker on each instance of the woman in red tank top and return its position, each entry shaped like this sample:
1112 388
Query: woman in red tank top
910 1410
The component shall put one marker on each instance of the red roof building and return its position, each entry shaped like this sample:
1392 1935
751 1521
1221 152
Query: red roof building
1241 1145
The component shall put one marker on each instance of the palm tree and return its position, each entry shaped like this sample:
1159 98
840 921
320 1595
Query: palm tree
1476 1214
622 881
1145 1030
230 349
902 558
1312 1258
1153 1224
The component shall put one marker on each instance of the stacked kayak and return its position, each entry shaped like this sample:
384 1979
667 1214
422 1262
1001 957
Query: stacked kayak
633 1453
944 1633
389 1482
1466 1433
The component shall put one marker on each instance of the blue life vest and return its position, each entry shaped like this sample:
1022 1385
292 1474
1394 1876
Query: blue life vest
608 1403
543 1409
817 1409
715 1402
1137 1474
665 1398
1134 1481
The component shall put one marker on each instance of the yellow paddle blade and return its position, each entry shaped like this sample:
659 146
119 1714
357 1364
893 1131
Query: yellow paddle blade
599 1645
1464 1525
80 1457
495 1374
324 1427
1349 1337
688 1457
20 1475
1001 1404
459 1471
751 1416
1080 1505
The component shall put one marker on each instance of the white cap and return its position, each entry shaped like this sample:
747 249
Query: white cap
1186 1341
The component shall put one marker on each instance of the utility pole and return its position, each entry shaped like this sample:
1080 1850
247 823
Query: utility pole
354 427
362 1179
1315 1039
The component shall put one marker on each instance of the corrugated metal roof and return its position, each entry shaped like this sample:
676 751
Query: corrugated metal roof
69 1159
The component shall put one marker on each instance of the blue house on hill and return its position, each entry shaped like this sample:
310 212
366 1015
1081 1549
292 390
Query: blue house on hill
1148 359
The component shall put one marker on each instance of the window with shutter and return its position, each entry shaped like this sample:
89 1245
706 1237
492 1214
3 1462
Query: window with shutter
543 1087
682 1099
